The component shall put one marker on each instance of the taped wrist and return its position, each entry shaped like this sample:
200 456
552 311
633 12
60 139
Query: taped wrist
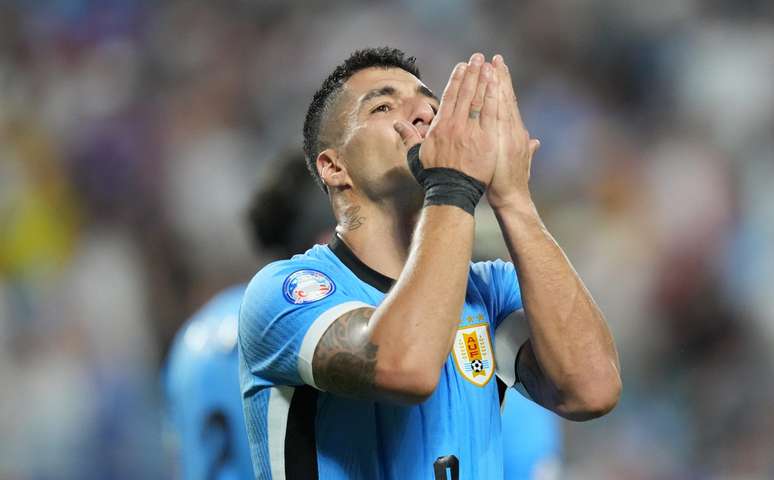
445 186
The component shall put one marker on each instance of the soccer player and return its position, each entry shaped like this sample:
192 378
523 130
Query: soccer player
372 357
202 371
202 393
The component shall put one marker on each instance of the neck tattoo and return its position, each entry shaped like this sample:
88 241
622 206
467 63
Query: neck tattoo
350 220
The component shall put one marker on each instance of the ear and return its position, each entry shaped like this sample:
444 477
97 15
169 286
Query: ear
332 170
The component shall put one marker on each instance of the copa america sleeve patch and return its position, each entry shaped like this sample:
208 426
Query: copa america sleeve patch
306 286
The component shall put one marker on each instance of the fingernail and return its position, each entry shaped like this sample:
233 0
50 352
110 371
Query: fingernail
397 126
477 59
497 58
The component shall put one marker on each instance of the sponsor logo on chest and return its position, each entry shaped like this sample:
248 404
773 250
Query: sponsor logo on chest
473 354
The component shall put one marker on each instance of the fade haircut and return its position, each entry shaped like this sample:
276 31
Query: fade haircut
316 137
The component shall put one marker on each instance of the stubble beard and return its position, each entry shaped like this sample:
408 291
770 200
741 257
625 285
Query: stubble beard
397 192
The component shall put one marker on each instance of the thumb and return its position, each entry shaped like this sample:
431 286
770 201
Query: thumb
534 145
408 133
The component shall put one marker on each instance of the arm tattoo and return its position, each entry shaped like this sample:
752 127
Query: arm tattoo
345 360
350 219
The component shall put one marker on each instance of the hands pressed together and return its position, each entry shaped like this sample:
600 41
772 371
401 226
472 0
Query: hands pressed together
478 130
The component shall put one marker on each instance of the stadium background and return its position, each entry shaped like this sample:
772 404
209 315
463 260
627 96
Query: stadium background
132 134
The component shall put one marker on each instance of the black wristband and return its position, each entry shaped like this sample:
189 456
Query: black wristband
445 186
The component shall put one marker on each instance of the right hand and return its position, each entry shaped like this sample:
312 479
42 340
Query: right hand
463 134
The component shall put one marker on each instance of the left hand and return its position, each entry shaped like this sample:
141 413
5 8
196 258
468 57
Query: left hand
515 148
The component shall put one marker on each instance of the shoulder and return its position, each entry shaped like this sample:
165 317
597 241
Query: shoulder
498 284
211 330
490 271
207 329
301 279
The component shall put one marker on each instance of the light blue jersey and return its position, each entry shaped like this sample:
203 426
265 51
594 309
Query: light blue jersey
297 431
531 440
202 388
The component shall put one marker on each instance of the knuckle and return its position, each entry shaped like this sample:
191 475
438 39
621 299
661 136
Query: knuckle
470 74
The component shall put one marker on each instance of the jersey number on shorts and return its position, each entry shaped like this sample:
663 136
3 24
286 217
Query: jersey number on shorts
449 462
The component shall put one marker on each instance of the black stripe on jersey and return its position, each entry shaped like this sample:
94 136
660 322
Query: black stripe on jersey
501 387
362 271
300 444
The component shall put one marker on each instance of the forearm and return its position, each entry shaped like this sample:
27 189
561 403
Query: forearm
415 325
570 339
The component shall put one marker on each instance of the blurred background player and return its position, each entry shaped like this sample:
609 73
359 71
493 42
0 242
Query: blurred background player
202 372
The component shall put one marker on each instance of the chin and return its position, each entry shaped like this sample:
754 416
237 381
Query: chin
399 188
407 194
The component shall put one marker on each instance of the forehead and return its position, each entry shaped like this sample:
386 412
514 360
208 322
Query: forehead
367 79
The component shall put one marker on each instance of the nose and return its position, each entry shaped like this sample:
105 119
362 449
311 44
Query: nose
422 116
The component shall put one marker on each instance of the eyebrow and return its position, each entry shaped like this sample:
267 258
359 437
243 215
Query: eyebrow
389 91
423 90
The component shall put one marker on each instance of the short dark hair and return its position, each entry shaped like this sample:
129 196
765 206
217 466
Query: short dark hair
324 98
287 212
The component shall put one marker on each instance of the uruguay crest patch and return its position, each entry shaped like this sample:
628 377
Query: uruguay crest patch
473 354
306 286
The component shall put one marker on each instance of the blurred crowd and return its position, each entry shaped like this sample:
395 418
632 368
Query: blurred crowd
132 135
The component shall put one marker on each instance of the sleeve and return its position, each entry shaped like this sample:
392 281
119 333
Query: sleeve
501 283
286 309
